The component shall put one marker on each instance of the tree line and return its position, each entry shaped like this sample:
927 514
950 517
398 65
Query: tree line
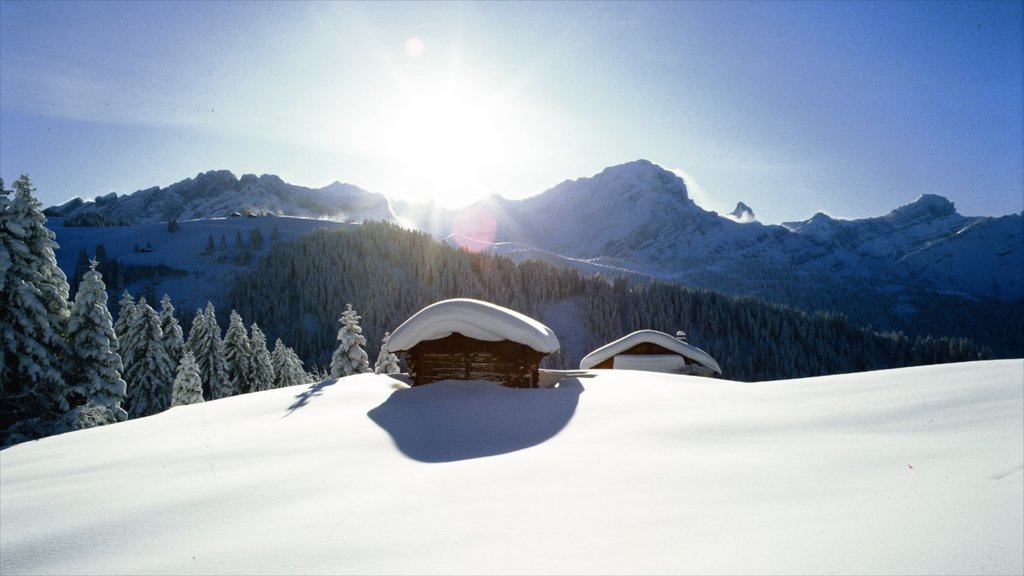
392 272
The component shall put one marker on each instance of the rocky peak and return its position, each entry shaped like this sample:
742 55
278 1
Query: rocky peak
926 208
742 213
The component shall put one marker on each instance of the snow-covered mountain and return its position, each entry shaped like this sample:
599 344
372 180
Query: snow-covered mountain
910 471
906 270
639 216
219 193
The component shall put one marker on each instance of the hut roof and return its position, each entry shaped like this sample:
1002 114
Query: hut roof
474 319
653 337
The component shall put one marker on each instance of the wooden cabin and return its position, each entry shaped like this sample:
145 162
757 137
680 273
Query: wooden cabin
464 339
652 351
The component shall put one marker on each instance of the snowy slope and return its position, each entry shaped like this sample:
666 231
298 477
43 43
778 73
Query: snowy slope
209 277
911 471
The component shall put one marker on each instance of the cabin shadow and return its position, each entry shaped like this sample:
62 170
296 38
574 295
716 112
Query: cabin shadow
456 420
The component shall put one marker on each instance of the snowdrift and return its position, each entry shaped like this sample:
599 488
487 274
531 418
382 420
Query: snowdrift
915 470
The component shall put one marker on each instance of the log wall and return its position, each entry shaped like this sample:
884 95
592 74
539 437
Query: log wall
458 357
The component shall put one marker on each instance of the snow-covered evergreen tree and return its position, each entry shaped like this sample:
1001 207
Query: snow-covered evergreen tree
237 355
350 357
204 341
124 316
147 368
188 385
174 338
93 367
261 370
387 362
288 370
33 315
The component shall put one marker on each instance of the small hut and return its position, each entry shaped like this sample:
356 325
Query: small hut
653 351
464 339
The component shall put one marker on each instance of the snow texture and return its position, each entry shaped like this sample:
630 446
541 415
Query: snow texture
628 341
910 471
474 319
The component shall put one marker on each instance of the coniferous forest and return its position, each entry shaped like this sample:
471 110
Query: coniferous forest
388 273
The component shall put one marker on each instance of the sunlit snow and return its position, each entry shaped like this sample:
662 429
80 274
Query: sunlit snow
909 471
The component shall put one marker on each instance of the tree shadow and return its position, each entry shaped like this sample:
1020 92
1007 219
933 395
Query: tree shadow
308 394
460 420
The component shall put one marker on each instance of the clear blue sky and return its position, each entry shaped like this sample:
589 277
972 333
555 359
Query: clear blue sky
852 108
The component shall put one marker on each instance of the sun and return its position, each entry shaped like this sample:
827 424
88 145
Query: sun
446 133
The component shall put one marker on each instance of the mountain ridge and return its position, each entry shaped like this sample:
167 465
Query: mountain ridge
640 217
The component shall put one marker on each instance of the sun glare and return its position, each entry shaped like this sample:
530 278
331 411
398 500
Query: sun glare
446 133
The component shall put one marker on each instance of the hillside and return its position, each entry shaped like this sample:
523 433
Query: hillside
388 273
912 471
195 276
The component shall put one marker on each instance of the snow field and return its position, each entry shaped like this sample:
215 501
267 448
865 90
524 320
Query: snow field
915 470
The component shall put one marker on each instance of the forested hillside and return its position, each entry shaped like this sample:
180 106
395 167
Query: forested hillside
387 273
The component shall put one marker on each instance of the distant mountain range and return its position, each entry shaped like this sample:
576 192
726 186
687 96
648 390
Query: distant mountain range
638 218
219 193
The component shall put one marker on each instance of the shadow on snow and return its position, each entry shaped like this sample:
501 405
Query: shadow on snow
459 420
308 394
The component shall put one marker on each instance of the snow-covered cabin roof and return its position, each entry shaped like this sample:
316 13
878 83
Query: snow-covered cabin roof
662 339
474 319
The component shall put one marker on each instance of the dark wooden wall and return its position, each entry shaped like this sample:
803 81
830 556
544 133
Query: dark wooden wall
644 348
458 357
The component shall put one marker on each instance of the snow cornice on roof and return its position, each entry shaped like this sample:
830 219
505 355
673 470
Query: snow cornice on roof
662 339
474 319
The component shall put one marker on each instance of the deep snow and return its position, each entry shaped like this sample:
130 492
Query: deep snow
475 319
917 470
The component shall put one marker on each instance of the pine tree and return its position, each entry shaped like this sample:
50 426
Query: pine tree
256 238
147 368
261 370
174 339
188 385
387 362
126 307
204 341
350 357
237 354
33 314
288 370
94 366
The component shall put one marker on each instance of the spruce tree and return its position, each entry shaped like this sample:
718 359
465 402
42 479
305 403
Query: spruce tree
126 307
288 370
188 385
261 370
174 340
387 362
204 341
147 368
350 357
237 355
94 367
33 315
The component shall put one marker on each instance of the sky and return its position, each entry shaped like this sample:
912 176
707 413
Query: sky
850 108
